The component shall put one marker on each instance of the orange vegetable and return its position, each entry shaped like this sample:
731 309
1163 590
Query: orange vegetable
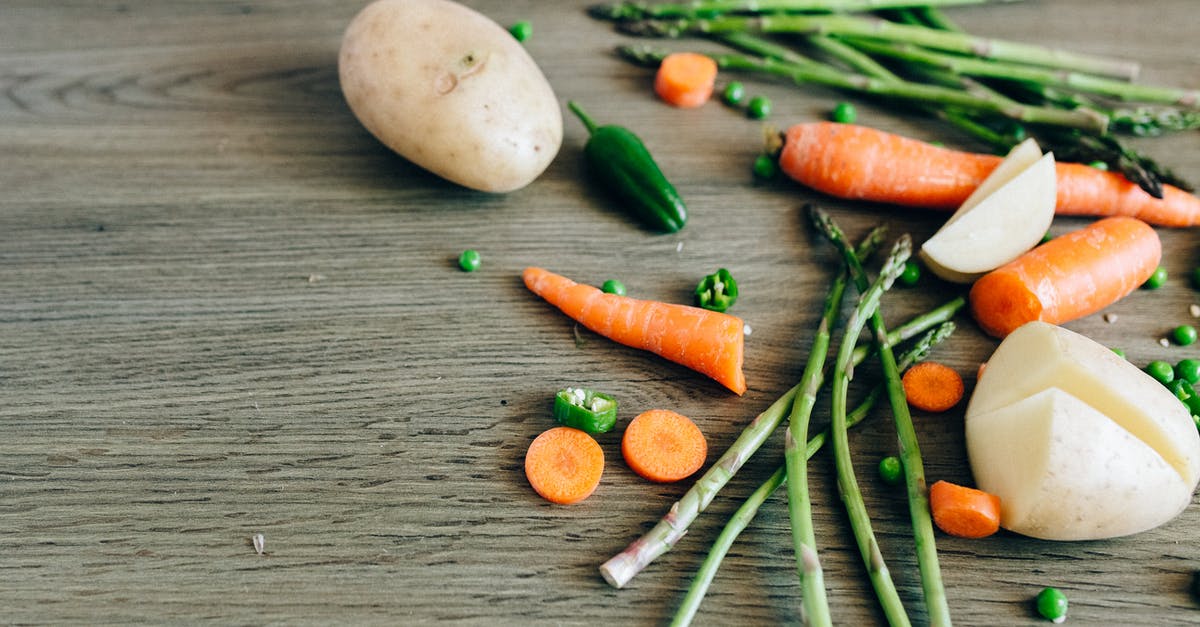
964 512
564 465
862 163
930 386
706 341
685 79
663 446
1068 277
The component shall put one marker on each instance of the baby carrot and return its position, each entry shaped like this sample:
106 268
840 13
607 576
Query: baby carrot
663 446
962 511
564 465
1069 277
685 79
706 341
862 163
930 386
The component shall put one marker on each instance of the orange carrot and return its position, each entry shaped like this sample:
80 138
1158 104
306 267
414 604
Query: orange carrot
1068 277
663 446
964 512
685 79
930 386
862 163
564 465
705 341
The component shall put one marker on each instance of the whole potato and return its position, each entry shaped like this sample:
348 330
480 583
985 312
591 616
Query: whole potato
452 91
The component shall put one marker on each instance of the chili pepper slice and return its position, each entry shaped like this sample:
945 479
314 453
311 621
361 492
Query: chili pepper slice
584 409
717 291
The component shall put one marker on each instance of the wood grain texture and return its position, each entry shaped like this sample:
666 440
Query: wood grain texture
226 310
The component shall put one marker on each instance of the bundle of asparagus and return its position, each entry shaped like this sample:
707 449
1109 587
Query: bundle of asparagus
1078 106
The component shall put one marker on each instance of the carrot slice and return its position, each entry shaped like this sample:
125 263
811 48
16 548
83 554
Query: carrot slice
931 386
663 446
1068 277
706 341
564 465
685 79
964 512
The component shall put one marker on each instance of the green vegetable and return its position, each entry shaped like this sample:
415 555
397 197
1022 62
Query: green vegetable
1120 352
588 410
734 93
1196 278
1099 165
1052 605
1184 334
759 107
844 112
890 470
613 286
1188 370
1157 279
469 260
521 30
1182 390
1161 371
621 163
765 167
910 275
717 291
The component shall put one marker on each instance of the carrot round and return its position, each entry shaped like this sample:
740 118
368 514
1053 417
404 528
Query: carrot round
1068 277
934 387
862 163
564 465
964 512
663 446
685 79
706 341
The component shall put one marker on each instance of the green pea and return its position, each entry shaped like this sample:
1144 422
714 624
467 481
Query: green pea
911 274
765 167
1161 371
469 260
1196 278
1182 390
521 30
890 470
1188 370
1052 605
1157 279
613 286
1099 165
1193 403
1184 334
844 113
734 93
759 107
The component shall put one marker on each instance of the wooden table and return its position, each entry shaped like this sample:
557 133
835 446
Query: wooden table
226 310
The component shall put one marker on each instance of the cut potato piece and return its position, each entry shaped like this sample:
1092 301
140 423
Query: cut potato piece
1065 471
1007 215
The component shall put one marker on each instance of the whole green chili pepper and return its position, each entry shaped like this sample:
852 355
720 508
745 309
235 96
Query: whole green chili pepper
588 410
621 163
717 291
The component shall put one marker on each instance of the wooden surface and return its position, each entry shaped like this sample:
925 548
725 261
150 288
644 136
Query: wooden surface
226 310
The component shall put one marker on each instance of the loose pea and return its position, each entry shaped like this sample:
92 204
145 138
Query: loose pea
1193 403
1182 390
1161 371
890 470
910 275
844 112
469 260
765 167
734 93
1188 370
1052 605
521 30
759 107
1157 279
1184 334
613 286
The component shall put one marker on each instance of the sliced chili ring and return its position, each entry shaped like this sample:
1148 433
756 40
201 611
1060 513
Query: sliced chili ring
588 410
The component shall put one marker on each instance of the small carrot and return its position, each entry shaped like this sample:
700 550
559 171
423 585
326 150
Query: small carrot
931 386
962 511
663 446
685 79
564 465
706 341
862 163
1068 277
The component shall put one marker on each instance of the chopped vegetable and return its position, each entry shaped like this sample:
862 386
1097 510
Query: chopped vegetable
891 471
663 446
964 512
759 107
1052 605
685 79
469 260
1160 371
844 113
1157 279
734 93
613 286
564 465
931 386
717 291
1184 334
708 342
522 30
1071 276
586 410
622 164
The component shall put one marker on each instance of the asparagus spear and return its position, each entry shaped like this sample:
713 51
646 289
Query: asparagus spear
702 8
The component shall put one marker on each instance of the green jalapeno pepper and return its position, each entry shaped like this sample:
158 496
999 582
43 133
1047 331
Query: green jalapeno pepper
717 291
622 164
587 410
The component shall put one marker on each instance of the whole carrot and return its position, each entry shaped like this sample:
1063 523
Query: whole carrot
1068 277
862 163
706 341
